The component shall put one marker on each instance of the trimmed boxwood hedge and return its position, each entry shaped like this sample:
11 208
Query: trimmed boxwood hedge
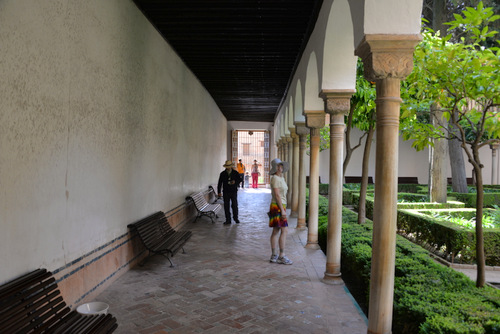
456 239
469 199
428 298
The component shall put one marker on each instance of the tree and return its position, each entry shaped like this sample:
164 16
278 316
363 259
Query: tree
464 80
361 112
436 13
362 116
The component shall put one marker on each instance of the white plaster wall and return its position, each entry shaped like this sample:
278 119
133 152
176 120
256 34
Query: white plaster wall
101 124
411 162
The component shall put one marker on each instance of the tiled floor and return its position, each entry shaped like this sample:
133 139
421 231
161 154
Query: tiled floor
226 284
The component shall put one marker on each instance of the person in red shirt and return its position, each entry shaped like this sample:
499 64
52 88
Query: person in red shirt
255 174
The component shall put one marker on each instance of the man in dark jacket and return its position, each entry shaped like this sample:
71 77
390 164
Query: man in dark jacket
229 180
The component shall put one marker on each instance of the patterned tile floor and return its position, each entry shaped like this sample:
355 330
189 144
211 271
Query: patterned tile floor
226 284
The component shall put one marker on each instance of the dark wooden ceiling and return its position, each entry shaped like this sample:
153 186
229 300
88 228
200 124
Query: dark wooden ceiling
244 52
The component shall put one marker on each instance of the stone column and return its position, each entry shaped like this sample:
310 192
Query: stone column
278 150
294 205
282 144
387 59
315 120
337 103
285 155
302 132
289 159
494 162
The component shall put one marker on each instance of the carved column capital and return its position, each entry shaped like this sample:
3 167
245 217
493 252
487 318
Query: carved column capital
301 129
387 56
315 119
337 101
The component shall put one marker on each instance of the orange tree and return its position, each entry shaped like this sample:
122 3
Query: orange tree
463 79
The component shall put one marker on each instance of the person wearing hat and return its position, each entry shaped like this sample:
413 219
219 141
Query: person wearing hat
228 181
277 211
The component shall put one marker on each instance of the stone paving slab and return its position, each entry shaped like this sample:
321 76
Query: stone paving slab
226 284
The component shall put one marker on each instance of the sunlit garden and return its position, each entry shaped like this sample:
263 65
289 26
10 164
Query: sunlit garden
451 98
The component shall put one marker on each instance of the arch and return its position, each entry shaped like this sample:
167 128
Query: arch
299 106
392 17
277 130
283 123
311 89
290 118
339 61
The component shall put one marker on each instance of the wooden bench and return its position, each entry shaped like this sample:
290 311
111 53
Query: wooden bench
203 207
407 180
32 304
357 179
159 237
469 181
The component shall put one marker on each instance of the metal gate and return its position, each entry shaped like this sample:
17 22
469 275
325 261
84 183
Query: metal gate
249 146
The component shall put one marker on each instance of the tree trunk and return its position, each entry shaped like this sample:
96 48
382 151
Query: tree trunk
438 161
364 177
480 258
348 148
439 16
458 176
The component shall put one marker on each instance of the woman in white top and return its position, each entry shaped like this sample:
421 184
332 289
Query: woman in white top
277 211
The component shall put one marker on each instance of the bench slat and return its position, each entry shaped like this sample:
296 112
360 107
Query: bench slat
32 304
203 207
158 236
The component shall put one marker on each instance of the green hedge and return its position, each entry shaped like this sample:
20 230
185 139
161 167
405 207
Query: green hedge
428 298
323 188
469 199
408 188
454 239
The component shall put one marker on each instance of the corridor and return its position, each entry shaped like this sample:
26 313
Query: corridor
226 284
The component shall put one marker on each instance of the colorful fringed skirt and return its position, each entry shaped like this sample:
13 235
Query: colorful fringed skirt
275 219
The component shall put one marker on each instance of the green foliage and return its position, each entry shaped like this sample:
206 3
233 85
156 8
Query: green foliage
324 139
428 298
441 233
412 198
363 101
352 186
362 107
490 199
459 77
323 188
475 21
490 220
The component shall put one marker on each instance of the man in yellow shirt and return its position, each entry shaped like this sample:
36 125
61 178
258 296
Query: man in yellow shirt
240 167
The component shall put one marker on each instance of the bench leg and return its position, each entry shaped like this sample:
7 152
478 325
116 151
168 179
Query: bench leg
168 257
143 261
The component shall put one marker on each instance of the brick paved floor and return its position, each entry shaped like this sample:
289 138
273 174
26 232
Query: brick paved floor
226 284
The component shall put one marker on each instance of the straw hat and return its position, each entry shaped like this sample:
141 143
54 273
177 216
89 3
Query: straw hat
274 166
228 164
